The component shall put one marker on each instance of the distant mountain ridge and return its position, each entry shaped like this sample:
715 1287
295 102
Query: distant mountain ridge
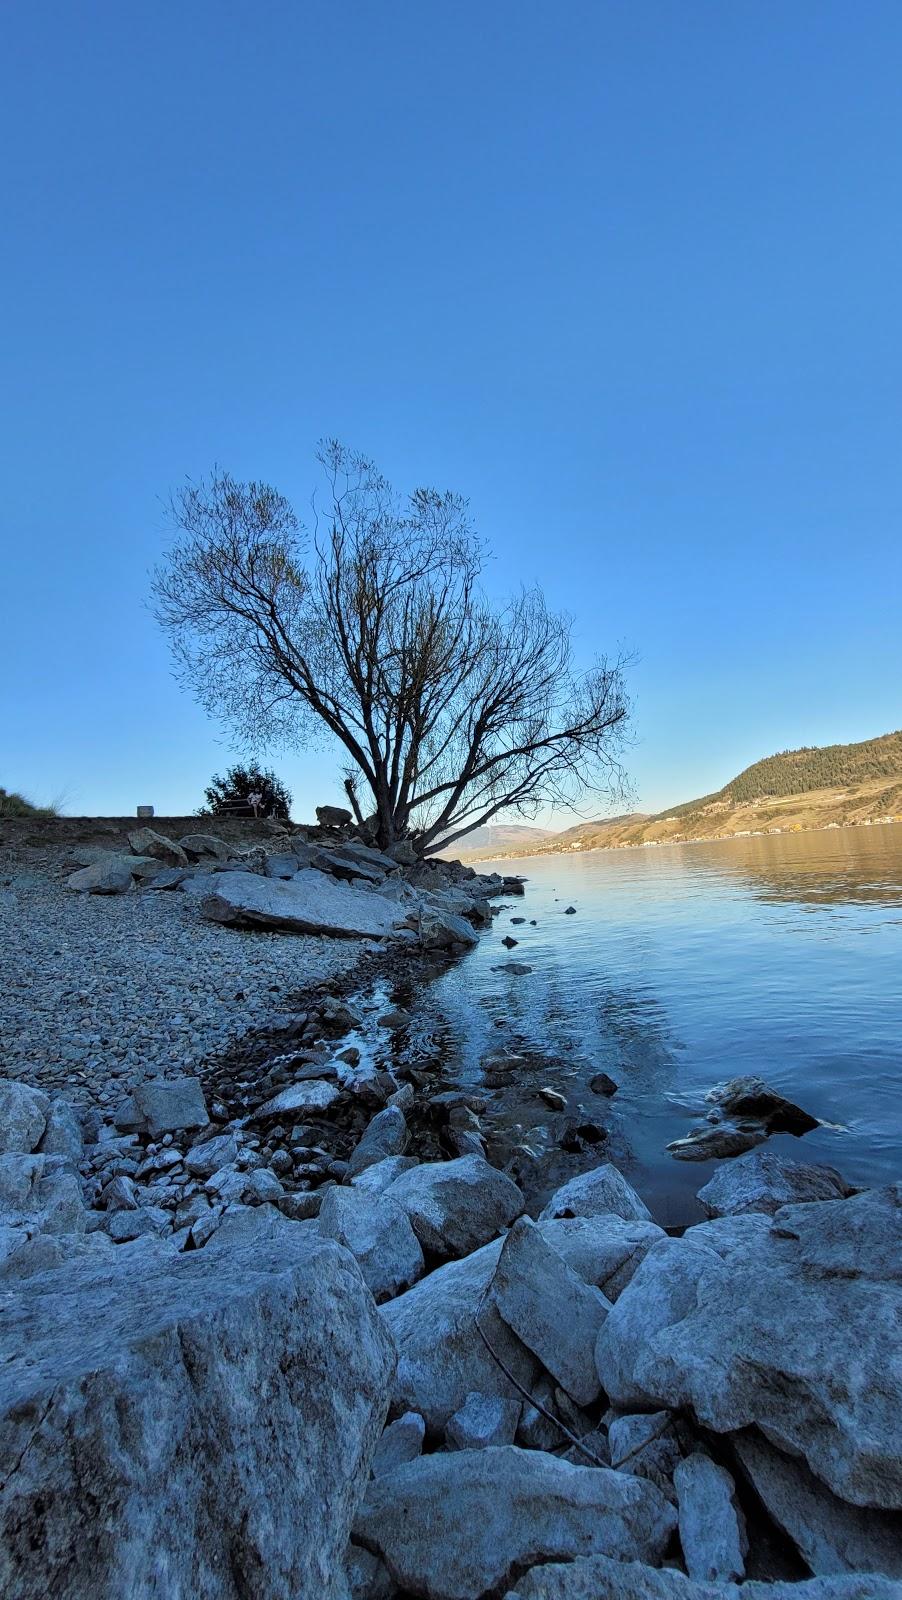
836 785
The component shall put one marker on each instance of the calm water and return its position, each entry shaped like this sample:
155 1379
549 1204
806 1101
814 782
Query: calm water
682 967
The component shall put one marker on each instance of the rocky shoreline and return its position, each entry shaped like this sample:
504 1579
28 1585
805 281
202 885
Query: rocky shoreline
277 1327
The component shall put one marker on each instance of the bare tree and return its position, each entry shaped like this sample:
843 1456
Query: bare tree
451 711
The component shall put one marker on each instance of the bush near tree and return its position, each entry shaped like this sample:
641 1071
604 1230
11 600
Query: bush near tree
228 796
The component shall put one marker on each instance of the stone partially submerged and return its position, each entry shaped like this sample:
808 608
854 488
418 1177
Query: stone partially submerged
456 1526
197 1424
310 902
790 1323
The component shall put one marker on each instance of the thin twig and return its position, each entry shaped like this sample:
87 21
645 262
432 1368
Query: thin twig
533 1399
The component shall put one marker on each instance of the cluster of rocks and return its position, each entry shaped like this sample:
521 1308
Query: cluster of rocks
419 1389
741 1114
310 882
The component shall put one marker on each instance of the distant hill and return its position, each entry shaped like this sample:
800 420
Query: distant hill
498 839
837 785
830 766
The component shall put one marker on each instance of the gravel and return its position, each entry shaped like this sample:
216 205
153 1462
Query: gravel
98 993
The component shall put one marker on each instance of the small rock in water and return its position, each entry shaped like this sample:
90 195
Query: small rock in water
602 1084
395 1019
570 911
553 1098
711 1144
515 969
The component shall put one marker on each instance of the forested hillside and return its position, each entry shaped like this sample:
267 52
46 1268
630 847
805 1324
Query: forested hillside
831 766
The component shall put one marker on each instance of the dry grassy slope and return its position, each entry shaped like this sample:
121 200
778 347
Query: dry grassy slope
863 784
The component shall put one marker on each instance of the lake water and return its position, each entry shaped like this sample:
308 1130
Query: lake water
682 967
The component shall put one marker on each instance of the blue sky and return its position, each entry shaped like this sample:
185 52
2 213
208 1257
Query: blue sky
627 274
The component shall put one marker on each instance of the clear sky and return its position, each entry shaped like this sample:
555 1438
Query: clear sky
626 272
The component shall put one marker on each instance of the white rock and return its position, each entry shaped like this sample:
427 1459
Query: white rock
262 1185
553 1312
312 1094
443 930
402 1441
454 1525
212 1412
311 902
830 1535
40 1193
599 1192
764 1181
23 1117
101 878
456 1206
790 1323
379 1236
483 1420
712 1527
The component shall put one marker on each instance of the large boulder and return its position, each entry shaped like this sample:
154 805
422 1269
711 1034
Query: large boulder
310 902
145 842
333 816
456 1526
188 1424
791 1323
550 1309
829 1535
442 1356
600 1192
23 1117
764 1181
456 1206
379 1236
599 1578
62 1135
